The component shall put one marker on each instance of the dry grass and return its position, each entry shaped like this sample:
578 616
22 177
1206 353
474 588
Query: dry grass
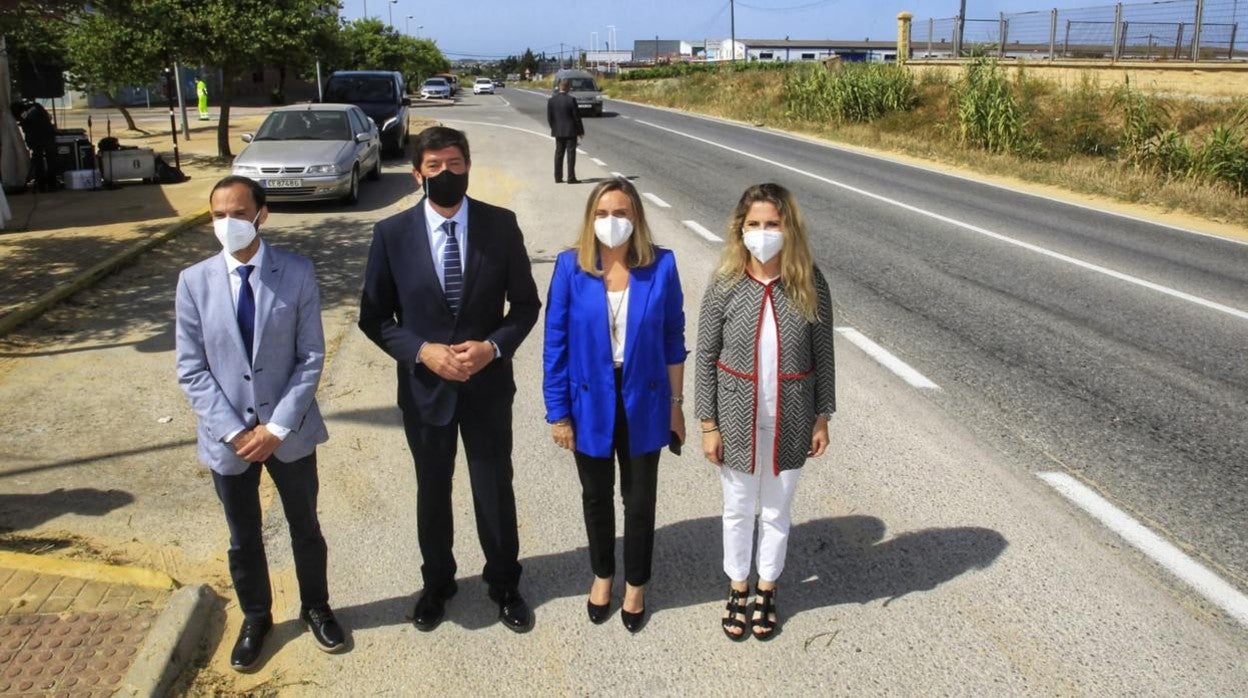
1078 132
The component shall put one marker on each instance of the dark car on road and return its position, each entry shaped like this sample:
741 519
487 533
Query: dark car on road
382 95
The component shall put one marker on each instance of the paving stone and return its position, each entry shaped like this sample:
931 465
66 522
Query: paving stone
17 584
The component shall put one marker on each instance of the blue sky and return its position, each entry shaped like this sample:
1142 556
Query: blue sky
496 28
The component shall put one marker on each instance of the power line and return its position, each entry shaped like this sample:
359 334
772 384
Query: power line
790 8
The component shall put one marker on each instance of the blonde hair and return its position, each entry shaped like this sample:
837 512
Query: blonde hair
640 245
797 267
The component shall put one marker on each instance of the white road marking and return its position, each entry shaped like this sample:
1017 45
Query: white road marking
598 162
504 100
1175 293
886 359
581 152
1199 577
616 174
697 228
929 169
656 200
539 134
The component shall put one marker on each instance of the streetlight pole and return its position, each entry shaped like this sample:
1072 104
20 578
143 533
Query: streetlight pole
610 46
390 12
365 9
732 20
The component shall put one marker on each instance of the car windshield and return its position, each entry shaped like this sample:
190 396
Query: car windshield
583 85
435 82
355 89
484 81
305 126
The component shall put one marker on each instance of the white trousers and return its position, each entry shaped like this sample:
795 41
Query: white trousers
773 497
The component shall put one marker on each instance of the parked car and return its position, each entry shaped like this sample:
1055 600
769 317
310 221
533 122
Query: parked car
382 95
498 82
312 151
483 86
435 88
584 89
451 79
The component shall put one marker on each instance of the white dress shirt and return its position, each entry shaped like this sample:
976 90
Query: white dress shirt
617 315
232 266
436 232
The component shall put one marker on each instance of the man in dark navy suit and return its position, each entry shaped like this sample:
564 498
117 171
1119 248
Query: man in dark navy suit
564 118
438 279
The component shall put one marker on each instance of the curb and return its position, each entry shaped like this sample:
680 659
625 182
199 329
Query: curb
29 311
171 643
93 571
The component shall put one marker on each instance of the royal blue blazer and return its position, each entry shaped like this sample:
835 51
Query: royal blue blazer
578 379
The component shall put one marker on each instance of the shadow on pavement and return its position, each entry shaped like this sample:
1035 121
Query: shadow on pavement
22 511
135 307
92 459
831 561
130 202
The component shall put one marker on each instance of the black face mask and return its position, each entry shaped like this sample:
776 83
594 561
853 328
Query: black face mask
446 188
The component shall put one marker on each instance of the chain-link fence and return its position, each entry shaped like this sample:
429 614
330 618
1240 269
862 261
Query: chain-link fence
1167 29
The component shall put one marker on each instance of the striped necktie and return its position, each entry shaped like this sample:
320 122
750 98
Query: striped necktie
452 270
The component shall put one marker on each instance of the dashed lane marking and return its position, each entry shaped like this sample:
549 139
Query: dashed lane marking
1196 575
886 359
598 162
697 228
656 200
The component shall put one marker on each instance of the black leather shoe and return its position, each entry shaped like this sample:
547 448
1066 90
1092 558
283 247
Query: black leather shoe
574 180
598 614
247 647
513 611
325 628
432 606
633 621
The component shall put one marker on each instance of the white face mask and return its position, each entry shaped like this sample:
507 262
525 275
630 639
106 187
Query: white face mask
233 233
612 231
763 244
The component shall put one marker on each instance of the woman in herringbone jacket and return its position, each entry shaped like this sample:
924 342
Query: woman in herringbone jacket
765 389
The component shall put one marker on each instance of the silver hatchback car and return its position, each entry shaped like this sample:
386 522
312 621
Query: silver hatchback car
312 151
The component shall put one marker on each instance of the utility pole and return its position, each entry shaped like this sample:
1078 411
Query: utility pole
732 19
957 49
390 12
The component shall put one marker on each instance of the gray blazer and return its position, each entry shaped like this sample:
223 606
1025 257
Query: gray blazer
726 380
279 385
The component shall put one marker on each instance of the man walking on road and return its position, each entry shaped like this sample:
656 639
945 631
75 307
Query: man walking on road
250 350
565 125
438 279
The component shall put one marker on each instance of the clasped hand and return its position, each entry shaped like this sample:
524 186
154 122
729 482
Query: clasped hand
255 445
457 362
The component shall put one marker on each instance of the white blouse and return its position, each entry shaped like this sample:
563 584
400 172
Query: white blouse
617 319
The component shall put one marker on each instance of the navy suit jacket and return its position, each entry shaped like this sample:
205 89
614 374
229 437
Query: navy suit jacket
403 305
579 381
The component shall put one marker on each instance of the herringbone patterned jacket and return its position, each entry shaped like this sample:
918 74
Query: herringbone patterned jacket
726 375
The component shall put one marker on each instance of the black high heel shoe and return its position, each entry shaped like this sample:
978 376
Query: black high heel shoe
736 608
764 608
598 614
633 621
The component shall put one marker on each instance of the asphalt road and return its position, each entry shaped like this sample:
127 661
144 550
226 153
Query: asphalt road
926 558
1140 393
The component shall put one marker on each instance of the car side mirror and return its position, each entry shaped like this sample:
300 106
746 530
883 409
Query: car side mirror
363 137
248 137
407 101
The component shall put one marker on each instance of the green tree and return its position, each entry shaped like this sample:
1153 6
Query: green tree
368 44
92 43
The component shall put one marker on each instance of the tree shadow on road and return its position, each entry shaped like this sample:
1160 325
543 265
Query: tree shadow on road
831 561
26 511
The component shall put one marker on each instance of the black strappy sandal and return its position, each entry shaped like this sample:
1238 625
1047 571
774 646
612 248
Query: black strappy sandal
736 607
764 607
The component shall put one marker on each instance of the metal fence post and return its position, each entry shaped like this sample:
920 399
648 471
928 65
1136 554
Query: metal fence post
957 36
1066 43
1230 53
1000 35
1053 35
1200 21
1117 29
1178 41
931 29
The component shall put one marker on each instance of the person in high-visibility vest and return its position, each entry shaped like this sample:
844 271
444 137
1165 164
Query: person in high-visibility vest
201 89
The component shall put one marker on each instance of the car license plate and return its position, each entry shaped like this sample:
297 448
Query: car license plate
284 183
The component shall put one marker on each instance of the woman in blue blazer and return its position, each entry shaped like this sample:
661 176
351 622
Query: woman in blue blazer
614 360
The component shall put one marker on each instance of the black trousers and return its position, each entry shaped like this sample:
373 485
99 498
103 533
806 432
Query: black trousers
639 478
485 424
297 486
565 145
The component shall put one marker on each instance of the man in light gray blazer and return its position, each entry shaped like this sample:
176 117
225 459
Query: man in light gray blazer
250 349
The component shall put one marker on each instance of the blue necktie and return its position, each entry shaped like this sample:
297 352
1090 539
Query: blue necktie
452 271
247 309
